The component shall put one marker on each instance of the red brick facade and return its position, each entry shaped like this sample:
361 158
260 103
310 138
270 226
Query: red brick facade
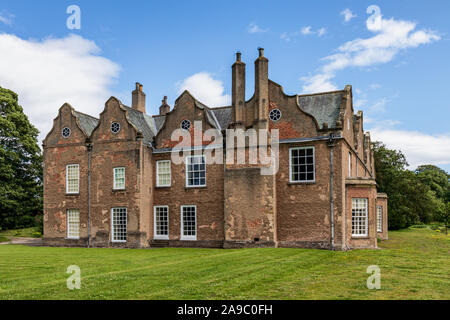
235 205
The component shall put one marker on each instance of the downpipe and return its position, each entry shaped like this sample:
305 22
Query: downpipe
89 149
331 143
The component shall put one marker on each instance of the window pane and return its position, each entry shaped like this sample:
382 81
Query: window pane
119 178
163 174
359 217
73 224
196 171
72 173
119 224
379 219
302 165
189 221
162 221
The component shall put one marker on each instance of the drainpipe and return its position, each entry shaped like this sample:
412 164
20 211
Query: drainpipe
89 149
331 146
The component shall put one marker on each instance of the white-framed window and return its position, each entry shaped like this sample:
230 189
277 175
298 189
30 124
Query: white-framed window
115 127
359 217
119 224
189 222
73 179
349 164
65 132
119 178
73 224
195 171
161 222
302 167
379 218
163 173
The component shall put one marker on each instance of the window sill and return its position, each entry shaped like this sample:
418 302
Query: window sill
162 187
188 239
301 182
161 238
360 237
119 190
72 194
195 187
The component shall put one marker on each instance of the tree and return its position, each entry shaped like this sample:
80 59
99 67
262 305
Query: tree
436 178
20 165
410 200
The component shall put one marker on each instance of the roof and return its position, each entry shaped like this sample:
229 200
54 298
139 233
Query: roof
143 123
223 116
324 107
87 122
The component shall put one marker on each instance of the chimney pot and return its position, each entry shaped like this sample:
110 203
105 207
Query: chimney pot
238 56
261 52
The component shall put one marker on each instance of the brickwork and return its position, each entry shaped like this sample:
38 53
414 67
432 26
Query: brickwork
238 206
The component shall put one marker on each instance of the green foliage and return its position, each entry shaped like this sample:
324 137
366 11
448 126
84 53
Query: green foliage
20 165
414 197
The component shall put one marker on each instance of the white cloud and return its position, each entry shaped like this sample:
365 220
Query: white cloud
348 14
285 36
360 103
379 106
306 30
6 19
205 89
419 148
391 37
321 32
254 28
48 73
375 86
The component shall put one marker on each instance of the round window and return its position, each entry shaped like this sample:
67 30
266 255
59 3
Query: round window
65 133
185 124
115 127
275 115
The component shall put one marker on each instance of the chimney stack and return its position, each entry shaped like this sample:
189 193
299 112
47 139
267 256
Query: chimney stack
138 98
165 108
238 91
261 90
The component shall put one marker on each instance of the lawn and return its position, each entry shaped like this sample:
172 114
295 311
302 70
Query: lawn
414 263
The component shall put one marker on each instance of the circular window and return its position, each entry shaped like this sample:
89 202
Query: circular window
115 127
65 133
275 115
186 125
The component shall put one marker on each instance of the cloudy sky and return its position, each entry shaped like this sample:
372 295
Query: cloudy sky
395 54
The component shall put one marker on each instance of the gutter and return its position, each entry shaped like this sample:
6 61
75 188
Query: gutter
331 146
89 149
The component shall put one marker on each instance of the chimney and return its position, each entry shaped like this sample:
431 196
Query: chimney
138 98
238 91
261 89
165 108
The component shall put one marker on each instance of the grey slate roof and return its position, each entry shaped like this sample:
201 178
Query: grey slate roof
325 107
87 122
223 116
142 122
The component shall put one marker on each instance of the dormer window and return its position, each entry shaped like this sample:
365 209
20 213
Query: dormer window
65 133
275 115
185 125
115 127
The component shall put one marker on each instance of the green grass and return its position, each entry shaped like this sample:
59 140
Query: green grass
3 239
414 264
19 233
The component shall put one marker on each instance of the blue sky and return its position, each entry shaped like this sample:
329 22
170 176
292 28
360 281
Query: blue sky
398 65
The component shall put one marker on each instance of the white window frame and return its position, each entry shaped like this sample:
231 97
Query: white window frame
182 236
115 187
187 173
379 218
78 179
156 236
68 212
314 164
158 183
366 229
112 225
